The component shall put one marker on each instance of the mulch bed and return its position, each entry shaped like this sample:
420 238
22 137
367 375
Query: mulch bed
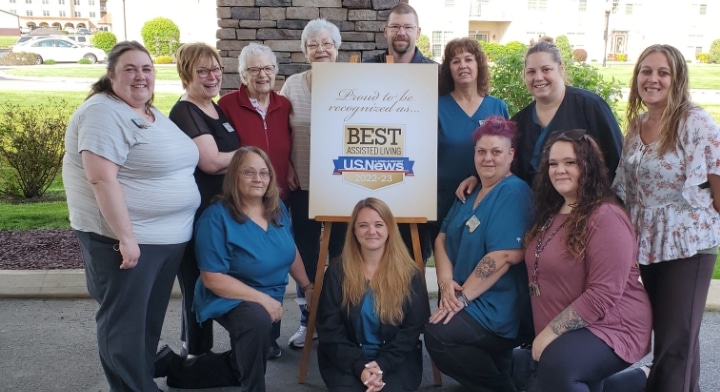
39 249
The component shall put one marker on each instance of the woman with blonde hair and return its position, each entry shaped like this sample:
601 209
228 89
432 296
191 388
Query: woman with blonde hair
669 179
372 309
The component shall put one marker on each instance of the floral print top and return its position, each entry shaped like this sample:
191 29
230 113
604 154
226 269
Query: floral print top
667 196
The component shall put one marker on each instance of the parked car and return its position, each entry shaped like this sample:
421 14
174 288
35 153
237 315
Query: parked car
60 50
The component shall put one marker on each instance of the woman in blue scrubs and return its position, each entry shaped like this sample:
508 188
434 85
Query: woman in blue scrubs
245 248
480 273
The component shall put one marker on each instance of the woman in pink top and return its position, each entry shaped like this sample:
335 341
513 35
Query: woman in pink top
592 316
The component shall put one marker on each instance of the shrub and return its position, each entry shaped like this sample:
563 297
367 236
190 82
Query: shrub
423 44
32 144
104 40
161 36
20 58
703 58
714 53
580 55
563 45
84 61
163 60
622 57
49 62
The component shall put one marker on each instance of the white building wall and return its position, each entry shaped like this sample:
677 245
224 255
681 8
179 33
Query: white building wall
674 22
197 19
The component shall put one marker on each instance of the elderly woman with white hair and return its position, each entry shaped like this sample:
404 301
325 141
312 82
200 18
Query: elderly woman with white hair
259 115
319 42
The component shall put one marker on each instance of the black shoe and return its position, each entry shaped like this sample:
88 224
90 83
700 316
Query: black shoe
164 360
274 351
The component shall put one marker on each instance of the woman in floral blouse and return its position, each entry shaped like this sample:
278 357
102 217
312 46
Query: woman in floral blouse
669 178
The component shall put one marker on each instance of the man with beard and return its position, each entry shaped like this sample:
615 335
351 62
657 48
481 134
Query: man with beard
401 31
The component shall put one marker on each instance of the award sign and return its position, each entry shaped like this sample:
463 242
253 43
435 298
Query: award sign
374 133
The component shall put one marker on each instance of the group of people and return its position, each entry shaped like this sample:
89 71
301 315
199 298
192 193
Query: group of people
546 223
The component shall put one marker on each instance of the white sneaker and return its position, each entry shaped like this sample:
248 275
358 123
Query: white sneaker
298 339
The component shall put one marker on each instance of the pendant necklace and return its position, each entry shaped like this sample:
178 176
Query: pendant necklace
539 248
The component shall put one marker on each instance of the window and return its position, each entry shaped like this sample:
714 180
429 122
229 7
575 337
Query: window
76 2
46 13
61 2
62 13
13 12
28 2
28 13
535 5
703 9
582 5
92 14
91 2
77 14
12 1
439 38
46 1
698 50
481 36
615 5
628 9
449 3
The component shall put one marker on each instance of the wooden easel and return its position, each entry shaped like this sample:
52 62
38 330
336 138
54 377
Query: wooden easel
320 271
320 274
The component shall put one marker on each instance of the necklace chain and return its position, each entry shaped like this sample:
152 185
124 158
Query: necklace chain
534 286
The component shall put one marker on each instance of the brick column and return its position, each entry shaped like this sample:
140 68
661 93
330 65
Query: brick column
279 24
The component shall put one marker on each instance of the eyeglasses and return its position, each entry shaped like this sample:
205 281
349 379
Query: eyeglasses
204 72
255 71
396 28
250 174
316 46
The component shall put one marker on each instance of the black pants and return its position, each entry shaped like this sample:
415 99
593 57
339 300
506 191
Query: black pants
678 291
630 380
251 330
476 358
198 337
577 361
133 303
306 232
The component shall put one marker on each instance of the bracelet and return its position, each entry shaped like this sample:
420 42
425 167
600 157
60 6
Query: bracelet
463 298
306 287
441 286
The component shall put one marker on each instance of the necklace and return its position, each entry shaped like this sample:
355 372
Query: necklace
539 248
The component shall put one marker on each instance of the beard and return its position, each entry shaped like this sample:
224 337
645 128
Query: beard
401 46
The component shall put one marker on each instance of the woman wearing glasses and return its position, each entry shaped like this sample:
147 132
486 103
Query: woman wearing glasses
245 250
591 314
319 42
200 118
259 115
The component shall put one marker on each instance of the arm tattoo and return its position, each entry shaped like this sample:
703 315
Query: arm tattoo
485 267
568 320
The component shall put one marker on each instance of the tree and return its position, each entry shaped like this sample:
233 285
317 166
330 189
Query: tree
161 36
104 40
563 45
423 44
714 54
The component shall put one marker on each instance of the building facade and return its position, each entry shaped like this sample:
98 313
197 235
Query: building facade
631 25
67 15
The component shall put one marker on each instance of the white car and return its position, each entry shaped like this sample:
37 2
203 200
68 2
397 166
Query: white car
60 50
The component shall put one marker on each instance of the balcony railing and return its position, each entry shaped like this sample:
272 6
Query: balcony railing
488 10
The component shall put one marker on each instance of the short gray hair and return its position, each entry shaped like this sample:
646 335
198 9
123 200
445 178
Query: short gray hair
314 28
253 49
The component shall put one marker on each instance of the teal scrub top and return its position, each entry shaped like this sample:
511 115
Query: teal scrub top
505 215
261 259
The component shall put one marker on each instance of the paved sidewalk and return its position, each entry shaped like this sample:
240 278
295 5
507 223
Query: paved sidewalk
71 284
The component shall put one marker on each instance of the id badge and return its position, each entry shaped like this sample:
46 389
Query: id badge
140 123
228 127
472 223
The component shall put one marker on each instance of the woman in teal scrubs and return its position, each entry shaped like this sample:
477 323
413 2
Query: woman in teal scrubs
478 258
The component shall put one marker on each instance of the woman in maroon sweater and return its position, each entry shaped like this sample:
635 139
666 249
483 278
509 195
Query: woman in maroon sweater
592 316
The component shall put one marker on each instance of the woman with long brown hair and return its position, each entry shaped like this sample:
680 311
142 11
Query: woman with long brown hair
372 309
591 314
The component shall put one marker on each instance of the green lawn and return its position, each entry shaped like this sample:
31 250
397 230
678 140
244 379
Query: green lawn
163 101
90 71
702 76
7 40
